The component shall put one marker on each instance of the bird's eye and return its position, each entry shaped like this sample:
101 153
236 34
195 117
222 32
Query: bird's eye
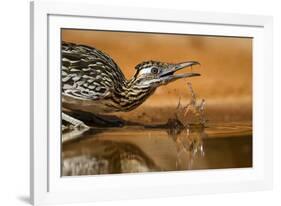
154 70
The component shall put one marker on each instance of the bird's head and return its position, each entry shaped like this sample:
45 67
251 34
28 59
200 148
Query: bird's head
153 73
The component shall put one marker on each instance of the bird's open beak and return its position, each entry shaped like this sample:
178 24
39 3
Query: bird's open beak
169 74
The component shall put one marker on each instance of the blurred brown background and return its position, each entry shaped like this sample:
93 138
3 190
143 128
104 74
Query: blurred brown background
226 69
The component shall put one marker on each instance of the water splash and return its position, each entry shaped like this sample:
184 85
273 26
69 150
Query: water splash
193 113
187 130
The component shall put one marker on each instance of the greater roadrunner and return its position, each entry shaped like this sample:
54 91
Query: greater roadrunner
93 82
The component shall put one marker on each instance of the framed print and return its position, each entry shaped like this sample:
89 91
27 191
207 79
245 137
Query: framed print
131 106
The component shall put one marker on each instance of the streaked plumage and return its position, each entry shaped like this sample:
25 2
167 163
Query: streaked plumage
93 82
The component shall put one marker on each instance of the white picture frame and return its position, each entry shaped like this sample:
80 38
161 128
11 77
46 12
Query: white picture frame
47 186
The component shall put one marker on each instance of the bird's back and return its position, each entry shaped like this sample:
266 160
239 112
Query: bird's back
88 74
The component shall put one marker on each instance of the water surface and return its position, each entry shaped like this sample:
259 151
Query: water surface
138 149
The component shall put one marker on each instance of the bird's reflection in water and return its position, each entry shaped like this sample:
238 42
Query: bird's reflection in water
137 152
108 157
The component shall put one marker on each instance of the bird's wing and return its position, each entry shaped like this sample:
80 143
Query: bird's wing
88 73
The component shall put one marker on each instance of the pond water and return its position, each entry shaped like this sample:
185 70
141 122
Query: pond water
139 149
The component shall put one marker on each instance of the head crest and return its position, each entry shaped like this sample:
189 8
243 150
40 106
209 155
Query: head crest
147 64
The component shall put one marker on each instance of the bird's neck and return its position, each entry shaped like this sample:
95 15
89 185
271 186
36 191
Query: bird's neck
131 95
